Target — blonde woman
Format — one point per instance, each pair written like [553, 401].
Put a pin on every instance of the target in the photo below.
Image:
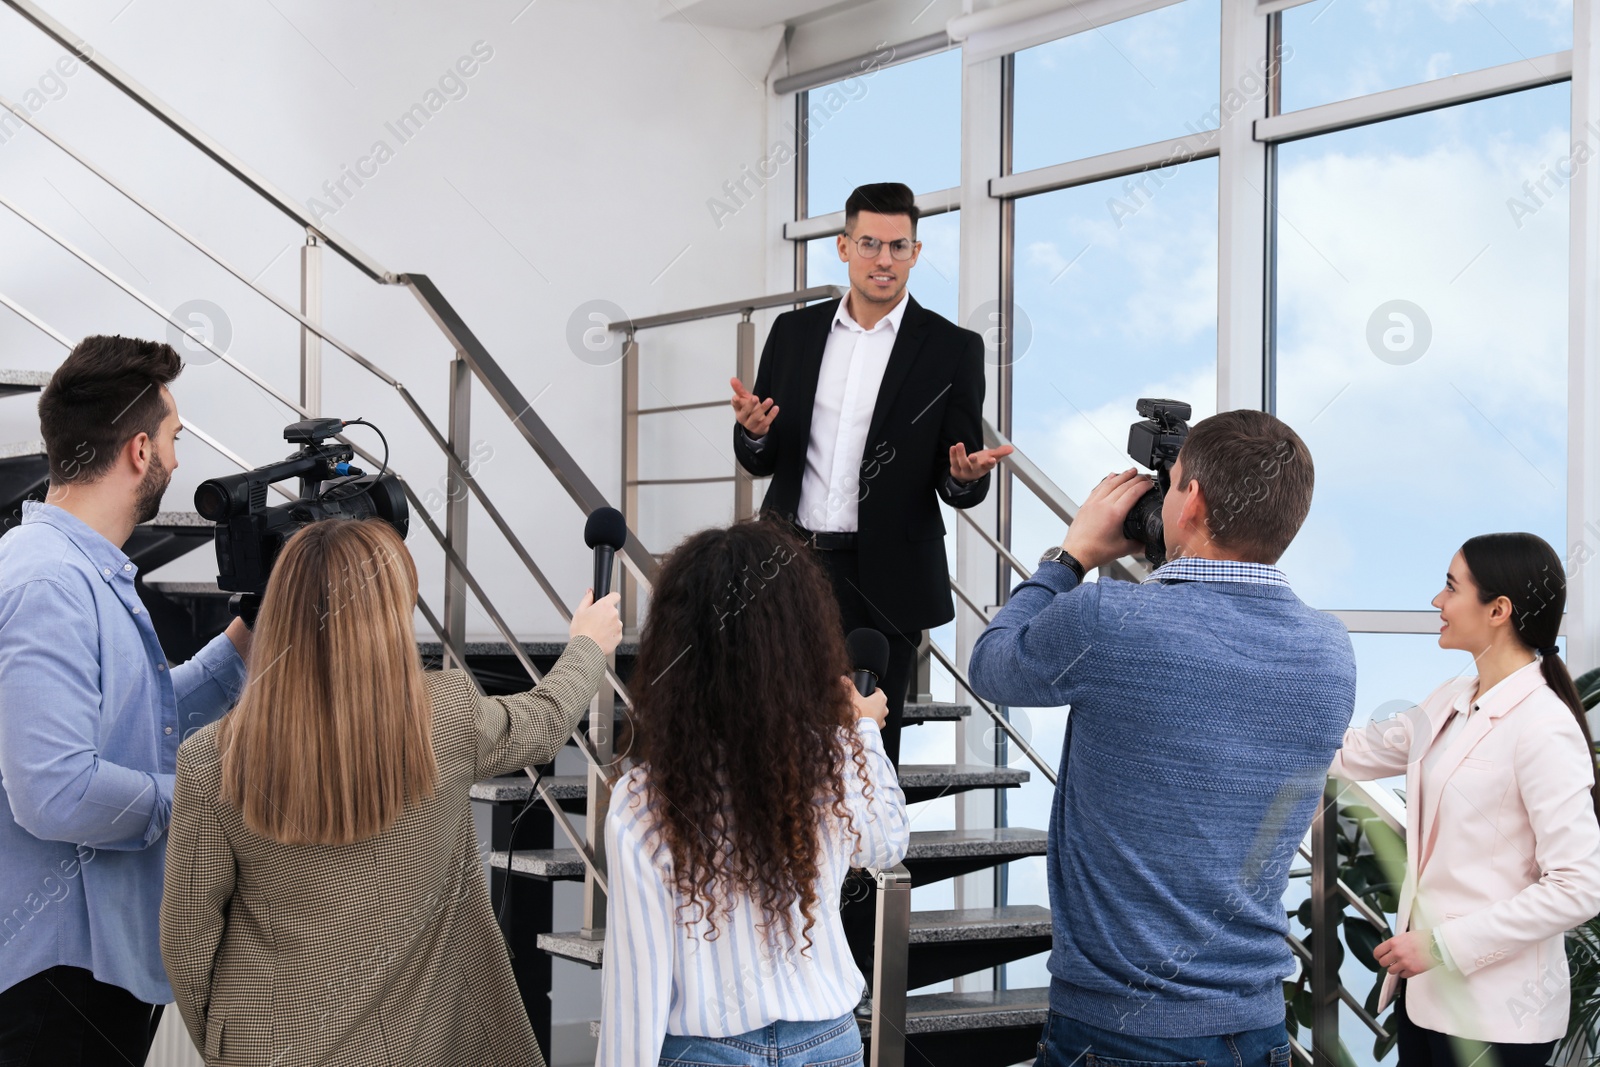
[325, 901]
[1502, 840]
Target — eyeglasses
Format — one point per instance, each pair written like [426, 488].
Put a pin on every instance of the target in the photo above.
[869, 247]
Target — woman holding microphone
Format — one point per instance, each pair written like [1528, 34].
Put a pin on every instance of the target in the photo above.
[1502, 838]
[325, 900]
[760, 781]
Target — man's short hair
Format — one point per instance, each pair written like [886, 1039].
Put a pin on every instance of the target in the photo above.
[1257, 477]
[881, 198]
[106, 393]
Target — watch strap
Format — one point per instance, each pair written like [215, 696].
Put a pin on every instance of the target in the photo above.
[1061, 555]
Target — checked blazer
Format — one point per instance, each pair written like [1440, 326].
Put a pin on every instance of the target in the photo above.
[380, 952]
[930, 398]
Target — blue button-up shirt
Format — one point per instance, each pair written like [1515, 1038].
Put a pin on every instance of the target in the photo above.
[90, 721]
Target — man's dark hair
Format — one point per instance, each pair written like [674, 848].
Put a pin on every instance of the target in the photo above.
[881, 198]
[106, 393]
[1257, 477]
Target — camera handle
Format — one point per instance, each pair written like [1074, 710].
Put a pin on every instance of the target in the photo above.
[245, 606]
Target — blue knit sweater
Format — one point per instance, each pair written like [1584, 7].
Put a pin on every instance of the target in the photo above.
[1204, 715]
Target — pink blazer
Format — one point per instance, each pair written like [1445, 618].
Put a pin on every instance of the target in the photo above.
[1502, 853]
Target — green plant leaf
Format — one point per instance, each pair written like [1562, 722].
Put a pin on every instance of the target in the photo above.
[1371, 1003]
[1382, 1045]
[1362, 939]
[1302, 1005]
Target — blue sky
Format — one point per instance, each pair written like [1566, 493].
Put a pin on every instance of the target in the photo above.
[1119, 284]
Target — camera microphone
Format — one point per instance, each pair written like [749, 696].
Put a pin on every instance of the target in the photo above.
[605, 532]
[869, 654]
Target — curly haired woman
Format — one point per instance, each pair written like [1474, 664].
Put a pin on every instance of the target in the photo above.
[760, 781]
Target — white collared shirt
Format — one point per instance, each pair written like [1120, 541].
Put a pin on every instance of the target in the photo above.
[853, 363]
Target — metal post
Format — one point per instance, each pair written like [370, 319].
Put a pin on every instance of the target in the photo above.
[629, 607]
[1327, 912]
[924, 684]
[602, 725]
[311, 308]
[744, 485]
[455, 513]
[891, 948]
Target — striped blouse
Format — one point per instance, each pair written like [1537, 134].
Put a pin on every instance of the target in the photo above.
[661, 976]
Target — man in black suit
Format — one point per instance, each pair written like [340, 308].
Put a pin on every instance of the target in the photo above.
[885, 398]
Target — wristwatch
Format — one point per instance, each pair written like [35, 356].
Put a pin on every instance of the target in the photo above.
[1061, 555]
[1434, 948]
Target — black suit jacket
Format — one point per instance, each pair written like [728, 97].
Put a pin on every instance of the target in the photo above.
[931, 397]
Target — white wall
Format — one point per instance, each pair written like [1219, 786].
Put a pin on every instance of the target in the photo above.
[576, 166]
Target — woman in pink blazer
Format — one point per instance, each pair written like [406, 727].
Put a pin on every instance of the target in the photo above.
[1502, 839]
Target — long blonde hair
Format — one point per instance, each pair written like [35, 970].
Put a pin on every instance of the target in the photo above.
[333, 735]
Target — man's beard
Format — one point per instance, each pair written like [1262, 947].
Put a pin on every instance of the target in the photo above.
[156, 479]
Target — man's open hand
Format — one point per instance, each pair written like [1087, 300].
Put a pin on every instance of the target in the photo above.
[965, 468]
[753, 413]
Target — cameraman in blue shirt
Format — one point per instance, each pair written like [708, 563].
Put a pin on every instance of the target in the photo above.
[91, 718]
[1206, 705]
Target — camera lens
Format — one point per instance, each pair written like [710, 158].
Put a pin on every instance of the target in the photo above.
[211, 501]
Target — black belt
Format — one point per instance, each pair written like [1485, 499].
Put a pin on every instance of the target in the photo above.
[825, 541]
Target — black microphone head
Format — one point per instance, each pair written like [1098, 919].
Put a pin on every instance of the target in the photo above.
[606, 526]
[869, 650]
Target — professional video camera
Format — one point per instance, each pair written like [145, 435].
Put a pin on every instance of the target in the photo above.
[1154, 442]
[249, 534]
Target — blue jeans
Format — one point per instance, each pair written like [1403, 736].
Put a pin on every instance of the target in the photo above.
[835, 1043]
[1066, 1042]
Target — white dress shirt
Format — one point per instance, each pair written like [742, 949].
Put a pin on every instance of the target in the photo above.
[853, 363]
[661, 973]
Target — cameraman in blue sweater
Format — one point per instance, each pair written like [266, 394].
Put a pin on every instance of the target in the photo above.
[1206, 704]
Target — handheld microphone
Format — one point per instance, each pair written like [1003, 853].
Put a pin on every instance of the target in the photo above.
[605, 532]
[869, 653]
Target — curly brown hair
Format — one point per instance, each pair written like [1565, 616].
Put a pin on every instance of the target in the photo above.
[738, 708]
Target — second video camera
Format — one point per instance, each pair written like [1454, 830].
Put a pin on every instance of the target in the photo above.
[249, 534]
[1153, 443]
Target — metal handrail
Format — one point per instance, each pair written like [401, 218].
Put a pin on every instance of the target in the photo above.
[730, 307]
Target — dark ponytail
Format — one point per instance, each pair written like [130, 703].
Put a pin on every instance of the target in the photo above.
[1525, 570]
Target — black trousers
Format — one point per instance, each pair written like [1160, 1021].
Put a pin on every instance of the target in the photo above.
[1429, 1048]
[63, 1017]
[844, 571]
